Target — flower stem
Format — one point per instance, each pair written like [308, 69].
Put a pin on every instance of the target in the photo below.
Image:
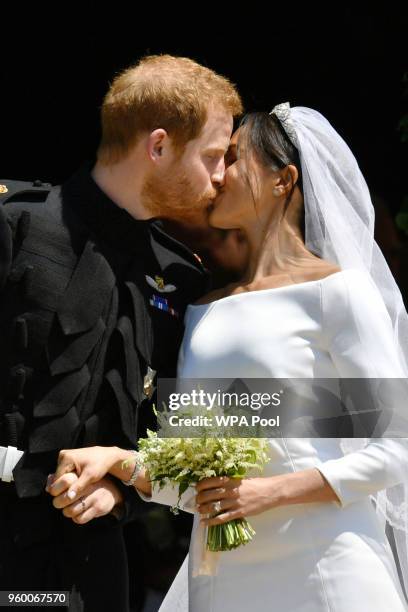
[229, 535]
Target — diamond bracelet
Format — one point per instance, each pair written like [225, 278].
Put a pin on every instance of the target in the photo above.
[139, 465]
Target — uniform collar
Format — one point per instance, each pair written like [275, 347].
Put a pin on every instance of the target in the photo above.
[110, 222]
[104, 217]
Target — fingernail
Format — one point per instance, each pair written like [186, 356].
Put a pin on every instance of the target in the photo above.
[71, 494]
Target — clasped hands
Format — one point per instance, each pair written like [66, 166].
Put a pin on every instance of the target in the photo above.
[83, 491]
[95, 496]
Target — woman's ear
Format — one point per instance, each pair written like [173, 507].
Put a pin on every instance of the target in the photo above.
[285, 181]
[294, 173]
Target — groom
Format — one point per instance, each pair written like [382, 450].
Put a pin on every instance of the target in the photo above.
[92, 296]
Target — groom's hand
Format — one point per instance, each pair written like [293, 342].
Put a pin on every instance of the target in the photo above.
[97, 499]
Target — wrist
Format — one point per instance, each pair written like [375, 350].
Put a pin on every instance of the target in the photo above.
[279, 489]
[122, 463]
[143, 483]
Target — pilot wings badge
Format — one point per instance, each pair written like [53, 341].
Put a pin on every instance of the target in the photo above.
[158, 283]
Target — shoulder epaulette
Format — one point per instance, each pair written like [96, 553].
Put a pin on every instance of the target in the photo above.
[11, 188]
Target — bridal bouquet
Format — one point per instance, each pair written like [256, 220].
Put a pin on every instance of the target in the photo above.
[185, 461]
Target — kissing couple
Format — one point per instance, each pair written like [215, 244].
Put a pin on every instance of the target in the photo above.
[104, 293]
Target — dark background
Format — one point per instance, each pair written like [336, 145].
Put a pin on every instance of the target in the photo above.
[348, 62]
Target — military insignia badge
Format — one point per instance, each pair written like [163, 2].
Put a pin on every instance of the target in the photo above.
[162, 304]
[3, 189]
[158, 283]
[148, 382]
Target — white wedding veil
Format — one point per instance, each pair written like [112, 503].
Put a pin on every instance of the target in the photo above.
[339, 227]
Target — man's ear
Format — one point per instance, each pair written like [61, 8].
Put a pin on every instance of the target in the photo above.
[156, 143]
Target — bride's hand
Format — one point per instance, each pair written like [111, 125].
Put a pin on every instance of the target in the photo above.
[91, 464]
[238, 497]
[251, 496]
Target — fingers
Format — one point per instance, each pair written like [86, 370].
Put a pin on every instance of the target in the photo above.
[229, 515]
[62, 500]
[62, 484]
[209, 491]
[83, 510]
[226, 504]
[83, 481]
[217, 481]
[86, 516]
[98, 502]
[66, 463]
[71, 485]
[210, 495]
[78, 507]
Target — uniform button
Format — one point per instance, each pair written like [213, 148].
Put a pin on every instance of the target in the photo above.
[22, 332]
[27, 278]
[19, 377]
[20, 272]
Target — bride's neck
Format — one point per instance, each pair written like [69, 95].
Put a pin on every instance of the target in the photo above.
[277, 251]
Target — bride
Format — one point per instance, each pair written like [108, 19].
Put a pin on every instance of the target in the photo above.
[317, 301]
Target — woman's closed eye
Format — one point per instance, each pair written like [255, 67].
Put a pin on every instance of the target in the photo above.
[231, 156]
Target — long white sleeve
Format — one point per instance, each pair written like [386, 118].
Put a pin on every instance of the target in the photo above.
[360, 341]
[168, 496]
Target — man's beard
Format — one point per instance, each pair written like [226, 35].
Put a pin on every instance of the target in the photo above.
[173, 196]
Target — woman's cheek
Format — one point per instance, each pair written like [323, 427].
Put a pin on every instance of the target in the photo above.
[220, 214]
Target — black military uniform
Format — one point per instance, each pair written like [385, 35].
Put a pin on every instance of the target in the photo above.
[90, 298]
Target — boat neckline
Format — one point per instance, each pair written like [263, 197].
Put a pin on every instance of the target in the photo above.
[270, 289]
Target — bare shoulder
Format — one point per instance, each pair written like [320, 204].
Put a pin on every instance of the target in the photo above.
[322, 271]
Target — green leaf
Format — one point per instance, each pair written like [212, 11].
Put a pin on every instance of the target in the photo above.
[251, 455]
[183, 487]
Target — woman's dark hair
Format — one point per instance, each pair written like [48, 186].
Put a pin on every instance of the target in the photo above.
[264, 137]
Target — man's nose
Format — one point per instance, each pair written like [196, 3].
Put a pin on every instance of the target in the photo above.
[218, 177]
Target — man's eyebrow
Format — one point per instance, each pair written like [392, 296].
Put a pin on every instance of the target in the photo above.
[216, 149]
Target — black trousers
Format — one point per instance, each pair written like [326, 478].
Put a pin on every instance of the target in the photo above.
[40, 549]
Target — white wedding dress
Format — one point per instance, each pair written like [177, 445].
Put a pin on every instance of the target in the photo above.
[315, 557]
